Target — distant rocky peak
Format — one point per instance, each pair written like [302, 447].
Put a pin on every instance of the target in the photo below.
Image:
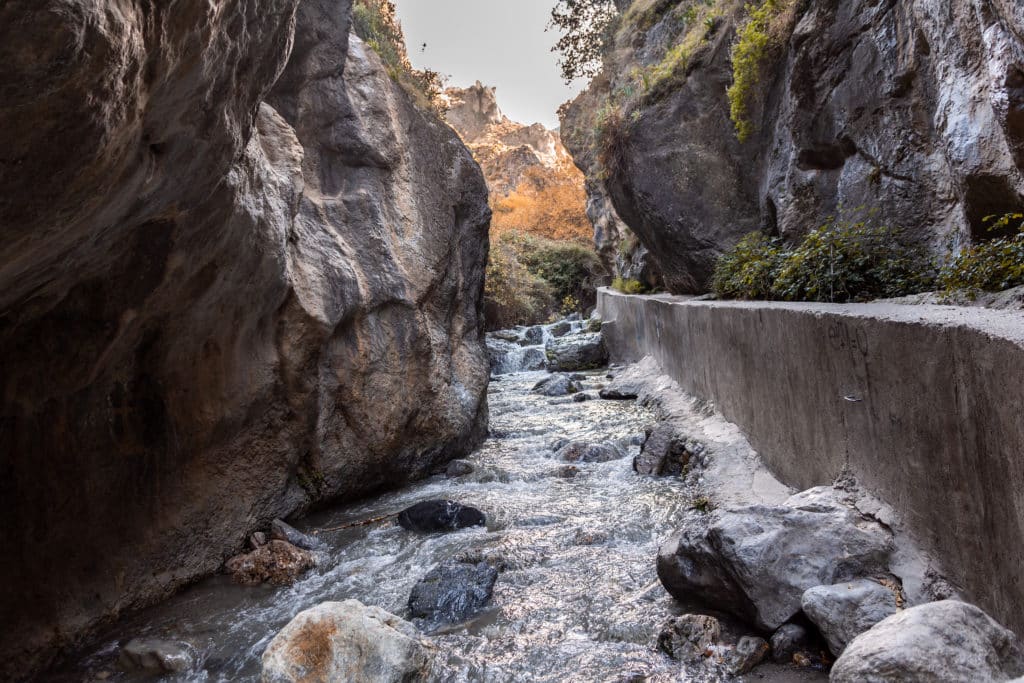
[473, 110]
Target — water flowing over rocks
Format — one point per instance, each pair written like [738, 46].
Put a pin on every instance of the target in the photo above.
[158, 656]
[451, 593]
[241, 275]
[943, 642]
[910, 108]
[346, 641]
[278, 562]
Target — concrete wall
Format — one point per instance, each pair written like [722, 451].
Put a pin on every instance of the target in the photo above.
[924, 404]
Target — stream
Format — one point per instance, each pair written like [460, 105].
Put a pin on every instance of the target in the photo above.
[577, 599]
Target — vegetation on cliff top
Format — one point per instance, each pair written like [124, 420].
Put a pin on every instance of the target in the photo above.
[376, 23]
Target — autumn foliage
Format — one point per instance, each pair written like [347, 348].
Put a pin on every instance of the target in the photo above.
[548, 203]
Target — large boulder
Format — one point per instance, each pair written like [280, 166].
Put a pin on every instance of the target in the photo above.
[939, 642]
[845, 610]
[240, 275]
[577, 352]
[758, 561]
[346, 641]
[557, 385]
[452, 592]
[432, 516]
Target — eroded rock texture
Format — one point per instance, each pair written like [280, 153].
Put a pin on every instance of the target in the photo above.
[236, 279]
[913, 109]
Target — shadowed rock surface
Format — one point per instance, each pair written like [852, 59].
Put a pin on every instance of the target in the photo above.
[915, 109]
[237, 279]
[432, 516]
[845, 610]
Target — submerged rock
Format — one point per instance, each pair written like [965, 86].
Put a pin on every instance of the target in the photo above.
[582, 451]
[440, 515]
[452, 593]
[346, 641]
[940, 642]
[560, 329]
[277, 562]
[157, 656]
[845, 610]
[757, 561]
[557, 385]
[281, 531]
[577, 352]
[689, 637]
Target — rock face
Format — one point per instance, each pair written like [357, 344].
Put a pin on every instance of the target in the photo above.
[506, 150]
[237, 277]
[346, 641]
[944, 642]
[757, 561]
[844, 611]
[915, 109]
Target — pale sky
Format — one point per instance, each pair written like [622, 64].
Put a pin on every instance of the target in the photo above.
[501, 43]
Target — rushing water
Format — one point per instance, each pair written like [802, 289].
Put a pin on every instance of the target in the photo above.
[577, 600]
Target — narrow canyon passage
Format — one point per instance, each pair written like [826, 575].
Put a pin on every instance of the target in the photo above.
[577, 596]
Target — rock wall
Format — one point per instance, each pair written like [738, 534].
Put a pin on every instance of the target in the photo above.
[912, 109]
[237, 279]
[921, 404]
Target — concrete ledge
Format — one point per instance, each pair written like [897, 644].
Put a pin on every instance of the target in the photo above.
[924, 405]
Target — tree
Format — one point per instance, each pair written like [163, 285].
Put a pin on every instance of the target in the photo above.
[586, 27]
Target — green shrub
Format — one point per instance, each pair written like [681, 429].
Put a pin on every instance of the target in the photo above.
[512, 294]
[766, 30]
[628, 286]
[748, 270]
[991, 266]
[845, 261]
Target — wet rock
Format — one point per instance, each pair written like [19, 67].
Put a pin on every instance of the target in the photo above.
[581, 451]
[560, 329]
[452, 593]
[567, 471]
[346, 641]
[505, 335]
[559, 443]
[940, 642]
[845, 610]
[534, 336]
[458, 468]
[577, 352]
[440, 515]
[664, 453]
[594, 324]
[582, 398]
[689, 637]
[278, 562]
[533, 359]
[757, 561]
[157, 656]
[788, 640]
[281, 531]
[747, 654]
[557, 385]
[620, 392]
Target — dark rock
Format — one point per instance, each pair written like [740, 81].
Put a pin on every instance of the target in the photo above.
[577, 352]
[215, 215]
[157, 656]
[747, 654]
[689, 637]
[581, 451]
[582, 398]
[567, 471]
[620, 392]
[844, 611]
[281, 531]
[505, 335]
[452, 593]
[278, 562]
[664, 453]
[757, 561]
[458, 468]
[788, 640]
[560, 329]
[534, 336]
[440, 515]
[557, 385]
[560, 443]
[940, 642]
[594, 325]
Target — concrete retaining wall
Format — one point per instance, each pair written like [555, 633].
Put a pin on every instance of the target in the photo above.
[923, 404]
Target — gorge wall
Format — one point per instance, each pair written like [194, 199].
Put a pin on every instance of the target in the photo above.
[920, 404]
[240, 275]
[914, 110]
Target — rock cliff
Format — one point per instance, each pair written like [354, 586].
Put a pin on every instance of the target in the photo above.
[912, 109]
[240, 275]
